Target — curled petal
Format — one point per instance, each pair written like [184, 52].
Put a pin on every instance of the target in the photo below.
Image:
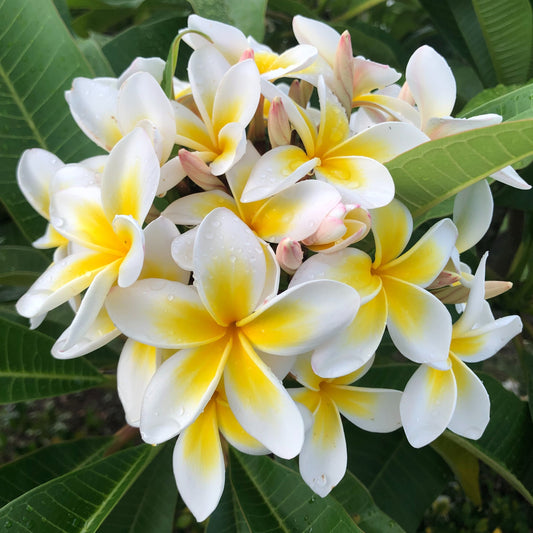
[198, 464]
[427, 404]
[231, 147]
[182, 249]
[180, 389]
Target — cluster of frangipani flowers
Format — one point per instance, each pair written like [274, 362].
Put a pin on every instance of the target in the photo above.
[267, 191]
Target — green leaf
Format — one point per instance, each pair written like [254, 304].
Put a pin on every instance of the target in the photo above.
[38, 62]
[92, 52]
[508, 31]
[139, 511]
[150, 39]
[268, 496]
[506, 444]
[353, 8]
[248, 16]
[80, 500]
[358, 502]
[512, 103]
[21, 265]
[28, 370]
[434, 171]
[464, 465]
[45, 464]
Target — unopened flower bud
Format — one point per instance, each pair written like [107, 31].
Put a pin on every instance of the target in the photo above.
[331, 228]
[198, 171]
[289, 255]
[279, 128]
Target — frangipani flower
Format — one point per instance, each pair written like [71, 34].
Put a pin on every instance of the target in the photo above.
[299, 212]
[454, 398]
[392, 293]
[351, 163]
[218, 135]
[218, 325]
[198, 460]
[103, 226]
[323, 457]
[234, 46]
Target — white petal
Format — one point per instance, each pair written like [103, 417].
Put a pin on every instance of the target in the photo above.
[509, 176]
[132, 263]
[472, 214]
[427, 404]
[153, 65]
[438, 127]
[318, 34]
[182, 249]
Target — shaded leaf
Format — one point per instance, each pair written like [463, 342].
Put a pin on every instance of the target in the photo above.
[92, 52]
[434, 171]
[268, 496]
[148, 506]
[21, 265]
[508, 32]
[38, 62]
[28, 370]
[45, 464]
[463, 464]
[248, 16]
[79, 500]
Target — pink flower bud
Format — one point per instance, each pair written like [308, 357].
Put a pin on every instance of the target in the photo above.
[279, 128]
[247, 54]
[332, 226]
[289, 255]
[198, 171]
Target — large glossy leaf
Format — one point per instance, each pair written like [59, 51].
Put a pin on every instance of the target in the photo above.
[45, 464]
[248, 16]
[149, 504]
[21, 265]
[79, 500]
[28, 371]
[512, 103]
[434, 171]
[506, 444]
[263, 495]
[39, 59]
[508, 31]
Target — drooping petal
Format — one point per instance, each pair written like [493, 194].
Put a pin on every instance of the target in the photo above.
[158, 262]
[61, 281]
[370, 75]
[229, 266]
[278, 169]
[323, 457]
[427, 404]
[431, 83]
[198, 464]
[171, 315]
[131, 177]
[438, 127]
[472, 411]
[181, 388]
[302, 317]
[376, 410]
[509, 176]
[136, 366]
[35, 171]
[360, 180]
[295, 212]
[260, 402]
[392, 226]
[233, 432]
[192, 209]
[420, 325]
[472, 214]
[353, 347]
[422, 263]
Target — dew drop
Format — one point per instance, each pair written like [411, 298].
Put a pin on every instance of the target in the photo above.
[181, 411]
[170, 297]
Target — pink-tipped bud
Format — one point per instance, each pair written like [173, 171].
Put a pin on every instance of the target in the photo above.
[444, 279]
[331, 228]
[198, 171]
[247, 54]
[289, 255]
[279, 127]
[300, 91]
[344, 71]
[495, 288]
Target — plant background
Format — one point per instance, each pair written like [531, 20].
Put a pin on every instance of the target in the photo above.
[85, 471]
